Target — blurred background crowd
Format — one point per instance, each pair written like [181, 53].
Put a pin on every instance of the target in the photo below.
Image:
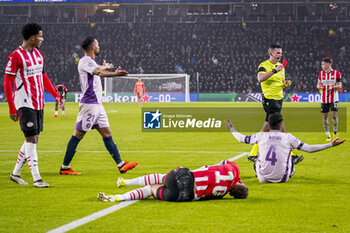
[223, 50]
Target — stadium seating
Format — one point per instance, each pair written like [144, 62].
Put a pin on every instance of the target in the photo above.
[225, 54]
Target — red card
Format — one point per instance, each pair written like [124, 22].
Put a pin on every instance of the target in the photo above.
[284, 63]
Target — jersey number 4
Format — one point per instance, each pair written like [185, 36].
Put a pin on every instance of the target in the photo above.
[271, 155]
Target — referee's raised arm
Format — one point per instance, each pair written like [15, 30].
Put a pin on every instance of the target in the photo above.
[263, 76]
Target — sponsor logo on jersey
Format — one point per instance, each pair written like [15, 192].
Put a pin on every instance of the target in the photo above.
[34, 70]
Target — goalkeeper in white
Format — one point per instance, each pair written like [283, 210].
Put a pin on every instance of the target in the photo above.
[274, 163]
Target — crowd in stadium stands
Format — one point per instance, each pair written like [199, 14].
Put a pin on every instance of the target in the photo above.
[225, 55]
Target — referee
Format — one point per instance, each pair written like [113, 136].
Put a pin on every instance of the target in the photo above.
[271, 76]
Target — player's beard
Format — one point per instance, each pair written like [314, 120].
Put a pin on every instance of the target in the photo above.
[97, 53]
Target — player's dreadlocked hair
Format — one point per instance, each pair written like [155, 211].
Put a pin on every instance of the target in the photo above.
[87, 42]
[274, 120]
[30, 29]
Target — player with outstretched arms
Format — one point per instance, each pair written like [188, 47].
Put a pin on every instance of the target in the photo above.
[181, 184]
[274, 163]
[92, 114]
[25, 66]
[62, 92]
[139, 89]
[329, 83]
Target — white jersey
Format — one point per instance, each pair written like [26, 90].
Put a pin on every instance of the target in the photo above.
[90, 84]
[274, 162]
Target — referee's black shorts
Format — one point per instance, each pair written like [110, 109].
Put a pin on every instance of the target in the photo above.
[31, 121]
[271, 106]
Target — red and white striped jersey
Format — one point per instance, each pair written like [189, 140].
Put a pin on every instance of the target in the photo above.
[27, 67]
[213, 182]
[328, 80]
[61, 91]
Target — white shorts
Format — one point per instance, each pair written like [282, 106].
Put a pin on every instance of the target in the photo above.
[91, 116]
[273, 178]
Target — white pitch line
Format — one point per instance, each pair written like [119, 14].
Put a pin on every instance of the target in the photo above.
[238, 156]
[104, 212]
[135, 151]
[91, 217]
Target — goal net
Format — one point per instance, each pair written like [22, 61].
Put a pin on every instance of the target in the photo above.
[159, 88]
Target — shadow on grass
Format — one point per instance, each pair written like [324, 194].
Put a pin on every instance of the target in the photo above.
[222, 200]
[312, 180]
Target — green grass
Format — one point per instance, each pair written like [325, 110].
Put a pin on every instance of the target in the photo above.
[314, 200]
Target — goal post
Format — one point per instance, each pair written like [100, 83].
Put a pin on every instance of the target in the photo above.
[159, 88]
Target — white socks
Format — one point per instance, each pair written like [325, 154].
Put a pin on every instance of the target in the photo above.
[146, 180]
[326, 127]
[32, 159]
[136, 194]
[65, 166]
[21, 160]
[335, 124]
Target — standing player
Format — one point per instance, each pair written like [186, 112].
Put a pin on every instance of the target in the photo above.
[274, 163]
[62, 92]
[181, 184]
[25, 66]
[139, 89]
[271, 76]
[92, 114]
[329, 82]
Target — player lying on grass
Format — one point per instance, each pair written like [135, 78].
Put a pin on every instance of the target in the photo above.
[274, 163]
[181, 184]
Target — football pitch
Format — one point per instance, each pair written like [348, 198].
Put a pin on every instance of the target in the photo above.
[316, 199]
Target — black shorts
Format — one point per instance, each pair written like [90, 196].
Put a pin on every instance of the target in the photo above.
[333, 106]
[271, 106]
[31, 121]
[170, 191]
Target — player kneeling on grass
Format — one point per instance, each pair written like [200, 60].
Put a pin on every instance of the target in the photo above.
[274, 163]
[181, 184]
